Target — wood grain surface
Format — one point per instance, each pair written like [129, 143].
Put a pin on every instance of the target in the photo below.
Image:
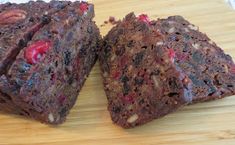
[211, 123]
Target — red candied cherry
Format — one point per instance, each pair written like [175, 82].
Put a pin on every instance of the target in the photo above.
[129, 98]
[116, 75]
[232, 69]
[144, 18]
[34, 52]
[83, 7]
[171, 54]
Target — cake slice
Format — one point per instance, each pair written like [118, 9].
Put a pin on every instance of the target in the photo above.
[47, 75]
[18, 22]
[140, 79]
[209, 69]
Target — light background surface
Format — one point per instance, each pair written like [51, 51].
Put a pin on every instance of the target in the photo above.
[89, 123]
[24, 1]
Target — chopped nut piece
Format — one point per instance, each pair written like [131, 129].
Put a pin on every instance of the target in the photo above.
[51, 117]
[171, 30]
[130, 107]
[193, 27]
[186, 29]
[155, 80]
[226, 68]
[133, 118]
[159, 43]
[196, 45]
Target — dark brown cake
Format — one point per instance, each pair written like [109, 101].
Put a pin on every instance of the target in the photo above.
[47, 75]
[140, 79]
[211, 71]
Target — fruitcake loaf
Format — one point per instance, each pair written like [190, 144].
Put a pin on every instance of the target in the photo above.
[18, 22]
[209, 69]
[140, 79]
[44, 80]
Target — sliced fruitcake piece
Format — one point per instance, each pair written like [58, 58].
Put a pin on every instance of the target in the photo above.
[211, 71]
[44, 81]
[140, 79]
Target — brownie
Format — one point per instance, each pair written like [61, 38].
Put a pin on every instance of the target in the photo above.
[45, 79]
[18, 22]
[209, 69]
[140, 79]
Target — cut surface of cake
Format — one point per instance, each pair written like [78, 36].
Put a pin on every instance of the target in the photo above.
[209, 69]
[140, 79]
[45, 78]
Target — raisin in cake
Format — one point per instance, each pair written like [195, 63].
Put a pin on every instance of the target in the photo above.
[140, 79]
[211, 71]
[45, 78]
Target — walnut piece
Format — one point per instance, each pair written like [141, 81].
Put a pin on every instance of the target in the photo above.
[12, 16]
[133, 118]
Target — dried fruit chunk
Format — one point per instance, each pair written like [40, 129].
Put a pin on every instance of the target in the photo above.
[129, 98]
[35, 51]
[232, 69]
[144, 18]
[12, 16]
[84, 7]
[171, 54]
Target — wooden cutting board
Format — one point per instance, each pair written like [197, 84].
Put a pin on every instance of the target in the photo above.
[211, 123]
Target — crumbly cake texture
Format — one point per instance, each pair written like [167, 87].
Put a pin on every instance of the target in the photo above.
[49, 70]
[209, 69]
[131, 54]
[140, 79]
[18, 24]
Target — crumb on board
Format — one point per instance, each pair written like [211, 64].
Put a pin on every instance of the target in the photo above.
[112, 20]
